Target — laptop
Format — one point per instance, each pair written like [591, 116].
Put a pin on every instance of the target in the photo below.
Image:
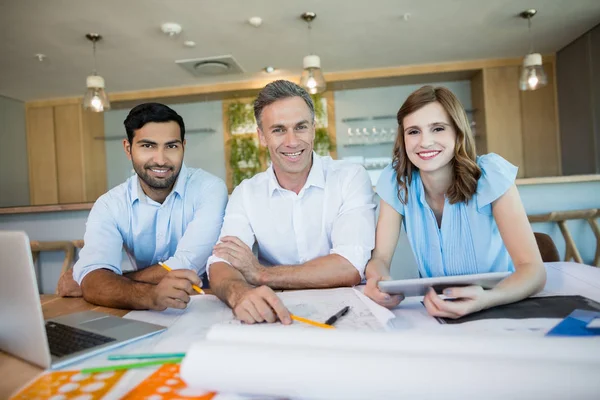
[55, 342]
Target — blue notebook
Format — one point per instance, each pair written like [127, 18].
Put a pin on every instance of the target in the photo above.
[578, 323]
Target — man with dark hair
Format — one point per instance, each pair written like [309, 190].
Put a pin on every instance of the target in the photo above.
[166, 212]
[312, 218]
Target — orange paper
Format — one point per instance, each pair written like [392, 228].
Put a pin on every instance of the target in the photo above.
[70, 385]
[165, 384]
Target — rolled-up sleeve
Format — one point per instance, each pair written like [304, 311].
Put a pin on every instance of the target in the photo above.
[103, 243]
[201, 234]
[235, 223]
[353, 231]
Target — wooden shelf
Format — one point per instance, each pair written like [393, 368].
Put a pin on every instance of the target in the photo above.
[47, 208]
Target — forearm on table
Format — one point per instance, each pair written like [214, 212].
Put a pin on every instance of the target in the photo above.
[106, 288]
[227, 283]
[152, 274]
[526, 281]
[323, 272]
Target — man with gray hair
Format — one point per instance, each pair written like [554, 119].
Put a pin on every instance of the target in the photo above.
[312, 218]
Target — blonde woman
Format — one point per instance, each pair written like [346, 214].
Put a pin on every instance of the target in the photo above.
[462, 213]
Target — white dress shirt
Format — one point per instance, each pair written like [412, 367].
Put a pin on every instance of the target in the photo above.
[334, 213]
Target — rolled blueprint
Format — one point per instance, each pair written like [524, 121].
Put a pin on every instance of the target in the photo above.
[415, 342]
[312, 364]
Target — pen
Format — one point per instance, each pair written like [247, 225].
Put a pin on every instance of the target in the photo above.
[196, 288]
[338, 315]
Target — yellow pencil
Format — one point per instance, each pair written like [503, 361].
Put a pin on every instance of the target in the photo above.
[311, 322]
[196, 288]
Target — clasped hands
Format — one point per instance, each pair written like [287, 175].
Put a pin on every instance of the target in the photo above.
[257, 304]
[240, 256]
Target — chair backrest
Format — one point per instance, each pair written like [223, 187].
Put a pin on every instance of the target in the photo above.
[547, 247]
[63, 245]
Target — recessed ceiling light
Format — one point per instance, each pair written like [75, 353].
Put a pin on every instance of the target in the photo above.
[255, 21]
[189, 43]
[269, 69]
[40, 57]
[171, 28]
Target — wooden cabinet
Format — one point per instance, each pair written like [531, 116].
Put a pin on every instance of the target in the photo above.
[578, 76]
[520, 126]
[67, 161]
[41, 156]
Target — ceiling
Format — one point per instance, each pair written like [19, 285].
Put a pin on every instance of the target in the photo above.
[348, 35]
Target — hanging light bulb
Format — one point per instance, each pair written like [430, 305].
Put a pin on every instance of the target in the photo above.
[532, 73]
[95, 98]
[312, 78]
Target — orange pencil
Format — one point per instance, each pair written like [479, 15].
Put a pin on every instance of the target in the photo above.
[311, 322]
[196, 288]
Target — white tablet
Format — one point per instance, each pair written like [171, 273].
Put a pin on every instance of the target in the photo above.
[418, 287]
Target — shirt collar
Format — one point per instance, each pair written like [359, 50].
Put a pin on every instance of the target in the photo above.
[316, 177]
[137, 193]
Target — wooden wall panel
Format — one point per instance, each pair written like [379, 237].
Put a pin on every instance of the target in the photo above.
[478, 103]
[41, 156]
[575, 111]
[69, 153]
[94, 155]
[503, 114]
[595, 72]
[540, 129]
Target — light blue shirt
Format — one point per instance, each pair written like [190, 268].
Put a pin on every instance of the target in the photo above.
[468, 241]
[181, 231]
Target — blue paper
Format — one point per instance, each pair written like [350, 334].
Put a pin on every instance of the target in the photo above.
[576, 324]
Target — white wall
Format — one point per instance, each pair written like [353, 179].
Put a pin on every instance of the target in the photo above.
[203, 150]
[14, 176]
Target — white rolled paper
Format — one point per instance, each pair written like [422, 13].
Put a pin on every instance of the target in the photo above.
[313, 364]
[415, 342]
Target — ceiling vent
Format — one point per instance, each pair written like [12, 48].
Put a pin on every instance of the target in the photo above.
[211, 66]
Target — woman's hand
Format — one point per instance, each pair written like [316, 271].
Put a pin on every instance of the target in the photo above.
[379, 297]
[463, 301]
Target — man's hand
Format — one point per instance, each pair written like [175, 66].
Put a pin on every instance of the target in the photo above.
[259, 305]
[465, 300]
[240, 256]
[174, 289]
[384, 299]
[67, 287]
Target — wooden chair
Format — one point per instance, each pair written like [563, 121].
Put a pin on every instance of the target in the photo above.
[67, 247]
[547, 247]
[561, 218]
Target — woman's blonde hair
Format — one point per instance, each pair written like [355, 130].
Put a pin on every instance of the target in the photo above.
[465, 171]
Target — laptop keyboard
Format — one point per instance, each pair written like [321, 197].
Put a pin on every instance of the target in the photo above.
[65, 340]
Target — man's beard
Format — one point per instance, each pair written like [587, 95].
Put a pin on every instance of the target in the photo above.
[155, 183]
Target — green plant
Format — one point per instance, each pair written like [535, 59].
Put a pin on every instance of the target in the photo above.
[323, 143]
[240, 116]
[320, 112]
[244, 158]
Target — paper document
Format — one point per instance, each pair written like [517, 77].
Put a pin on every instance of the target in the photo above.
[320, 304]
